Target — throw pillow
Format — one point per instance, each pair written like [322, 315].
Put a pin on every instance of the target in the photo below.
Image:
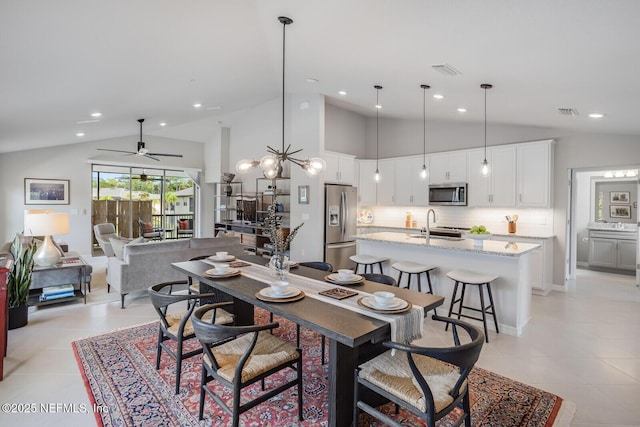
[183, 224]
[147, 227]
[118, 247]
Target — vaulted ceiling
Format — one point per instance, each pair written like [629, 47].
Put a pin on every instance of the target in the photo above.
[63, 60]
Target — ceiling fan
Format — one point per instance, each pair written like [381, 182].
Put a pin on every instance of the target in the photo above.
[142, 150]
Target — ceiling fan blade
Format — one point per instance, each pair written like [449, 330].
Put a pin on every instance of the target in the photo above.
[117, 151]
[165, 154]
[148, 155]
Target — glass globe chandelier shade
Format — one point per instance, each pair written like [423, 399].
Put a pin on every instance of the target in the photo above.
[272, 163]
[485, 170]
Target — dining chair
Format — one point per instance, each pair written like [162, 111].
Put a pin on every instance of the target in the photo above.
[318, 265]
[238, 356]
[429, 382]
[178, 326]
[380, 278]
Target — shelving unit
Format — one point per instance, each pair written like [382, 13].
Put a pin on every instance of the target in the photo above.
[226, 206]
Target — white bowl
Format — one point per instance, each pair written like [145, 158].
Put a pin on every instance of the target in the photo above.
[280, 287]
[345, 274]
[222, 254]
[383, 298]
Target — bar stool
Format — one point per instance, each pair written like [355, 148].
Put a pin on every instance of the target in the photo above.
[412, 268]
[367, 261]
[472, 278]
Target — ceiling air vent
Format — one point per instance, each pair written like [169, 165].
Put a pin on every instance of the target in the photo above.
[568, 111]
[446, 69]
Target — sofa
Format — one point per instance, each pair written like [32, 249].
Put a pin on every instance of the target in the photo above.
[144, 264]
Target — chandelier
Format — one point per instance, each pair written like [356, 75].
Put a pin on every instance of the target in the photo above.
[272, 163]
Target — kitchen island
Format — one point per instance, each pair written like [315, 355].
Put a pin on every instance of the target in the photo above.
[511, 261]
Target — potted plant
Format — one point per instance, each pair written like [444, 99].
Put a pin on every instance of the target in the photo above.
[19, 282]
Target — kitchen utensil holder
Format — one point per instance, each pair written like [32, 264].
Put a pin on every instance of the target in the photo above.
[512, 227]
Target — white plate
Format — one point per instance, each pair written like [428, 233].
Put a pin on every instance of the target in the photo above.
[225, 258]
[289, 293]
[353, 279]
[396, 304]
[213, 272]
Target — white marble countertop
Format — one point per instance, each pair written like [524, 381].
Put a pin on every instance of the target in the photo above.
[613, 226]
[493, 246]
[524, 234]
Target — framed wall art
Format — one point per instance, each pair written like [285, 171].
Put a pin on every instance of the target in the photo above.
[46, 191]
[619, 197]
[620, 211]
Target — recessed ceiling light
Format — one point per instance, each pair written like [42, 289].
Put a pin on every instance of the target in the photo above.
[197, 105]
[312, 80]
[96, 114]
[342, 92]
[596, 115]
[80, 134]
[438, 96]
[163, 124]
[378, 106]
[462, 110]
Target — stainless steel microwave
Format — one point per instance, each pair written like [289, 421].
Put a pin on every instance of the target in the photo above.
[450, 194]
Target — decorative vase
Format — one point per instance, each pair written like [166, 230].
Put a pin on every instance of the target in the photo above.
[280, 266]
[18, 316]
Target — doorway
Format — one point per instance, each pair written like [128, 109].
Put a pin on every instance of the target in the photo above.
[123, 195]
[602, 218]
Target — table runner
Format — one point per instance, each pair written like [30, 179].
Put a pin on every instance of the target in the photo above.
[405, 327]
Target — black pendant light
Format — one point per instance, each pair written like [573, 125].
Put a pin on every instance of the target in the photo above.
[376, 176]
[272, 163]
[423, 170]
[484, 169]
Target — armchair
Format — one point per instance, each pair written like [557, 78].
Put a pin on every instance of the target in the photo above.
[184, 227]
[148, 231]
[103, 233]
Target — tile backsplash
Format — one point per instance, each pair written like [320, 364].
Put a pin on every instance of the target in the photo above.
[531, 221]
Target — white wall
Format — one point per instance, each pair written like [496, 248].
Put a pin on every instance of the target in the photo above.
[345, 131]
[583, 214]
[70, 162]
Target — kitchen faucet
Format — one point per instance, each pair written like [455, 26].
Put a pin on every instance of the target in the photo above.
[427, 235]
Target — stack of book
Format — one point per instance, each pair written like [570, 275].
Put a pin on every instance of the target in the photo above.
[56, 292]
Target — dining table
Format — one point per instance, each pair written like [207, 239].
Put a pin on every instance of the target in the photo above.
[354, 337]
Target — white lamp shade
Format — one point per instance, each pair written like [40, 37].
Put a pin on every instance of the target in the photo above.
[45, 223]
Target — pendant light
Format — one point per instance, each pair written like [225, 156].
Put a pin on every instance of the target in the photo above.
[423, 171]
[376, 176]
[272, 163]
[485, 170]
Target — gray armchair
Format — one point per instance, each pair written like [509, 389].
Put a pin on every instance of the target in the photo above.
[103, 233]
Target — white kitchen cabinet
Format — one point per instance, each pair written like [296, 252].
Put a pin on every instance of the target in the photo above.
[541, 272]
[448, 167]
[386, 187]
[534, 179]
[499, 188]
[340, 168]
[410, 189]
[366, 185]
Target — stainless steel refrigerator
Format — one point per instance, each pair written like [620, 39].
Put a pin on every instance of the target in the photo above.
[339, 225]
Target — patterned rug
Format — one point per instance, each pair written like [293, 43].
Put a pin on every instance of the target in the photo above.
[119, 372]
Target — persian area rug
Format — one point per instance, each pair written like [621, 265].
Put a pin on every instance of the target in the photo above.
[119, 372]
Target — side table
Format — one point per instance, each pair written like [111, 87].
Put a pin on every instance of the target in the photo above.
[70, 270]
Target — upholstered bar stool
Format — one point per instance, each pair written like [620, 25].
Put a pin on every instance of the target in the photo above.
[414, 268]
[367, 261]
[465, 278]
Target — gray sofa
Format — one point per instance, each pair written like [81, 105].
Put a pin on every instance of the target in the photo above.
[146, 264]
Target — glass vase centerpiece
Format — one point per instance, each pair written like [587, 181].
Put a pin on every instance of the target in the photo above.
[280, 240]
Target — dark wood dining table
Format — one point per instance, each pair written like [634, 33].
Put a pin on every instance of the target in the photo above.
[353, 337]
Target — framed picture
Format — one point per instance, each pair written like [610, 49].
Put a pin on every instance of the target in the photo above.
[619, 197]
[46, 191]
[303, 194]
[620, 211]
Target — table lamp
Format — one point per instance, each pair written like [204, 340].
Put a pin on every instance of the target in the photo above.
[46, 223]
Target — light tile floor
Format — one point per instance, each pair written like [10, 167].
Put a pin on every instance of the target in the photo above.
[583, 345]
